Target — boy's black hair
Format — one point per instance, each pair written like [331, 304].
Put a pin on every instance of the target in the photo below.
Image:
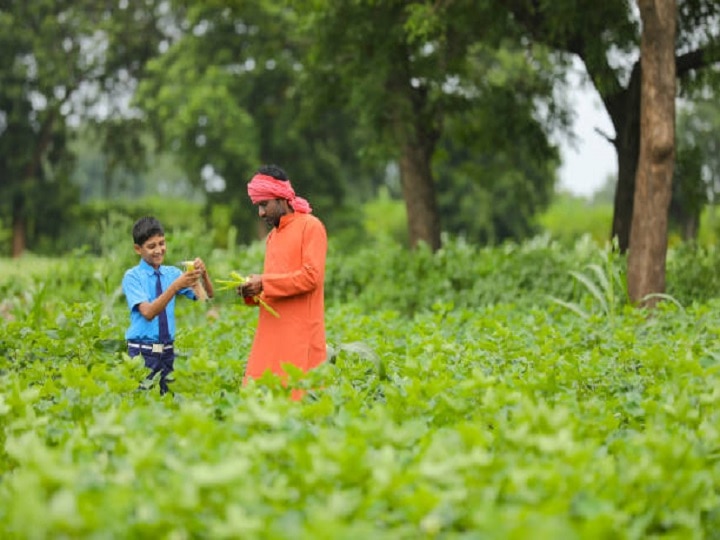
[274, 171]
[146, 227]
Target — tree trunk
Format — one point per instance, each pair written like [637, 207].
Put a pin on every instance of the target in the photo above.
[31, 170]
[19, 223]
[418, 189]
[690, 227]
[624, 111]
[653, 183]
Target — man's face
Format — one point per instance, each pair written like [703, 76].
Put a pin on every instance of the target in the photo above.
[153, 250]
[272, 210]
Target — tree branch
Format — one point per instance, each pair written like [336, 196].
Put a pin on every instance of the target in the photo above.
[43, 140]
[697, 59]
[609, 138]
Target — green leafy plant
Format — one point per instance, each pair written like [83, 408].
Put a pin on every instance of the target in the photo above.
[605, 285]
[235, 281]
[478, 412]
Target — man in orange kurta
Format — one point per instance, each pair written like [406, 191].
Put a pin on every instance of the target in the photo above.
[292, 282]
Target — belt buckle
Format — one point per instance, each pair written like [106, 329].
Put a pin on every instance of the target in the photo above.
[157, 347]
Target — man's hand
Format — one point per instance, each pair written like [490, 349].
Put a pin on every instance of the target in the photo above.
[253, 287]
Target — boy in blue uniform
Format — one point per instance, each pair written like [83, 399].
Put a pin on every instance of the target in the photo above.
[150, 289]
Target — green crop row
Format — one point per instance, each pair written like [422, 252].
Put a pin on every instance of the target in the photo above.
[471, 393]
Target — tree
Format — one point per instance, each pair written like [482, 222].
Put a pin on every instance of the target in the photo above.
[405, 69]
[689, 191]
[30, 121]
[605, 36]
[225, 97]
[143, 172]
[495, 167]
[697, 165]
[60, 57]
[648, 239]
[361, 52]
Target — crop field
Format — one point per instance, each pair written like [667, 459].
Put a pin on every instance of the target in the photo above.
[506, 392]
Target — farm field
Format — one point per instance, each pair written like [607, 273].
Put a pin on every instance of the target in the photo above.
[473, 393]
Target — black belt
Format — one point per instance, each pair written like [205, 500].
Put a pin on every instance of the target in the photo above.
[153, 347]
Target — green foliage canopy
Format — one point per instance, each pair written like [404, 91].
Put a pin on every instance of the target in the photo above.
[59, 59]
[225, 95]
[444, 79]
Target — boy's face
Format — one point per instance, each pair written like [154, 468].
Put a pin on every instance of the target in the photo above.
[153, 250]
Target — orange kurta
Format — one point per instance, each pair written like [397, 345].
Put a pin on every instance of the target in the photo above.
[293, 284]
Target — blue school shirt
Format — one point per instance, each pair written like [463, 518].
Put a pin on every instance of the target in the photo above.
[138, 284]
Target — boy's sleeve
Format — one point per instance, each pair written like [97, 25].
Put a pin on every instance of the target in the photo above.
[175, 273]
[135, 293]
[188, 292]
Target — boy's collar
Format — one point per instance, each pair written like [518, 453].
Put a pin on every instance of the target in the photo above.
[148, 267]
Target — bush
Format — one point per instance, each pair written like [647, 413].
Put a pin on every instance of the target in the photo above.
[460, 274]
[692, 273]
[570, 218]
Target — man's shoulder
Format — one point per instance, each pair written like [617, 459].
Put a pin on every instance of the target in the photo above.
[299, 224]
[310, 219]
[314, 230]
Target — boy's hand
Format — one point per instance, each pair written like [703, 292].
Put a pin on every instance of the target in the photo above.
[188, 279]
[200, 265]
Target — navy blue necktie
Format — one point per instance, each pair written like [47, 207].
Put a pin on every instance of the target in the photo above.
[162, 317]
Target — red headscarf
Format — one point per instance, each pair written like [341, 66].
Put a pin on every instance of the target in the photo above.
[264, 188]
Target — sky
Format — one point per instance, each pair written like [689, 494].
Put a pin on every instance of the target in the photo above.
[588, 161]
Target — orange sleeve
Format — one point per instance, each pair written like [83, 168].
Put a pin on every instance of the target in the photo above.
[310, 268]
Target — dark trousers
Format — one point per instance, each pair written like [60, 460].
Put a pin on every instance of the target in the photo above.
[161, 363]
